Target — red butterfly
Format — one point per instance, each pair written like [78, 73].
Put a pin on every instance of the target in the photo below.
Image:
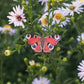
[43, 44]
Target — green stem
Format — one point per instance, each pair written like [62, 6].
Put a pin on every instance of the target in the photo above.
[44, 58]
[1, 70]
[36, 74]
[78, 30]
[30, 12]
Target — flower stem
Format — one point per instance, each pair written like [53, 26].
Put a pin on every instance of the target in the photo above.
[1, 70]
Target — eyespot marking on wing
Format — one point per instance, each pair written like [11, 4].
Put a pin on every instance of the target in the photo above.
[50, 46]
[28, 36]
[33, 46]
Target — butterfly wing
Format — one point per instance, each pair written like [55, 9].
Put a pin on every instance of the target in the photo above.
[49, 43]
[35, 42]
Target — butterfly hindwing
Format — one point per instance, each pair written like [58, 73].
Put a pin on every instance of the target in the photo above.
[34, 41]
[49, 43]
[47, 47]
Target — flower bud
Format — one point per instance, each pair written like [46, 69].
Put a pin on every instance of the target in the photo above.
[23, 2]
[8, 82]
[32, 63]
[25, 40]
[38, 65]
[64, 59]
[77, 80]
[50, 75]
[63, 18]
[82, 42]
[19, 79]
[72, 18]
[26, 60]
[44, 68]
[7, 52]
[54, 2]
[71, 39]
[19, 74]
[71, 7]
[48, 3]
[8, 48]
[69, 52]
[58, 48]
[40, 26]
[60, 0]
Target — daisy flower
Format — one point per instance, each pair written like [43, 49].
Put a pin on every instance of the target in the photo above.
[60, 17]
[42, 80]
[46, 7]
[81, 69]
[75, 7]
[17, 16]
[81, 37]
[79, 0]
[7, 29]
[43, 20]
[32, 62]
[43, 1]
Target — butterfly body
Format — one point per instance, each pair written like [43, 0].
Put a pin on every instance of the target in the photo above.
[42, 44]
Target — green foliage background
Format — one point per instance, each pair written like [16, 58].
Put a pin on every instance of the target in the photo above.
[61, 63]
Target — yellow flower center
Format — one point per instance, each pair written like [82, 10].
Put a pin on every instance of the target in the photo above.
[41, 83]
[58, 16]
[7, 26]
[6, 53]
[44, 21]
[81, 0]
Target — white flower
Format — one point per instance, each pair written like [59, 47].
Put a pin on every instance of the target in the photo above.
[43, 20]
[64, 23]
[80, 0]
[17, 16]
[43, 1]
[81, 69]
[81, 37]
[75, 7]
[7, 29]
[27, 2]
[14, 0]
[32, 62]
[42, 80]
[60, 17]
[44, 29]
[46, 7]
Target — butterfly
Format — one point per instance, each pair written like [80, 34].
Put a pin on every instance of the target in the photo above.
[42, 44]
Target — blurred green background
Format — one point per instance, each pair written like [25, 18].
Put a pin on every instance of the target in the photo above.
[64, 61]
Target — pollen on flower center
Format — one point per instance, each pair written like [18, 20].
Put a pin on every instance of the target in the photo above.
[6, 53]
[58, 16]
[41, 83]
[18, 17]
[81, 0]
[7, 26]
[44, 21]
